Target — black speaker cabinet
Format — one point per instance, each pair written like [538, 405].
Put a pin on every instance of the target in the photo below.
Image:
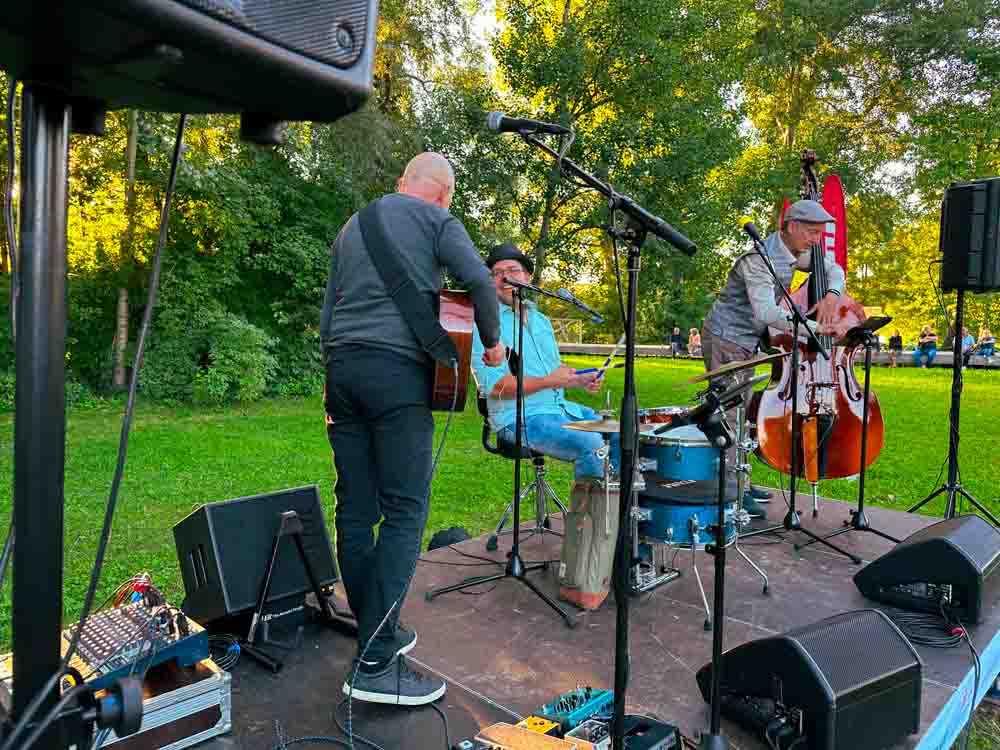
[282, 59]
[970, 236]
[223, 549]
[954, 561]
[854, 676]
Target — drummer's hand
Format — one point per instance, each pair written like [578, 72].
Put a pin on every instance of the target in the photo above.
[562, 377]
[594, 385]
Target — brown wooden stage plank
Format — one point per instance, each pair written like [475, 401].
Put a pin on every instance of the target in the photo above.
[506, 645]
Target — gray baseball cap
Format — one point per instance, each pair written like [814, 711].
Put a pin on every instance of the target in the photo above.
[808, 211]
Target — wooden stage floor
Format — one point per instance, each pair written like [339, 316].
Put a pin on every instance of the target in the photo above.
[505, 653]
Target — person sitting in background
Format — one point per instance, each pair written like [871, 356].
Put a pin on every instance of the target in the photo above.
[986, 345]
[968, 346]
[694, 343]
[895, 347]
[926, 347]
[676, 342]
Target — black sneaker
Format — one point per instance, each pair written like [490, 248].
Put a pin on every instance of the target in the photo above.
[760, 494]
[397, 685]
[752, 507]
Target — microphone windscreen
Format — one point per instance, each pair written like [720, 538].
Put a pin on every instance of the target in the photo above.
[493, 120]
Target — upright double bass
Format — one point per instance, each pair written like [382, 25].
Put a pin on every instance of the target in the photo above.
[830, 399]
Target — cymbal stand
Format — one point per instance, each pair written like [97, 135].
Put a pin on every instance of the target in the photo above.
[859, 521]
[720, 435]
[744, 446]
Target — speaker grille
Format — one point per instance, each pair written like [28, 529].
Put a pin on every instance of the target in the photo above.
[971, 534]
[331, 31]
[833, 644]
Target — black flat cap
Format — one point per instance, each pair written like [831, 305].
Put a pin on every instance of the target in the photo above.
[509, 251]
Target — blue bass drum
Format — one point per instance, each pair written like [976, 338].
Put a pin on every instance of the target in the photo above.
[680, 513]
[681, 453]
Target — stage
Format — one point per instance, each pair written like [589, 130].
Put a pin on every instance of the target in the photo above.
[504, 653]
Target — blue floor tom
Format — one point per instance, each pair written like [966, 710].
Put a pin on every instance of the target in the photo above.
[681, 453]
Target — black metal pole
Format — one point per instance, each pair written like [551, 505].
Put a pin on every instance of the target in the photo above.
[953, 487]
[40, 406]
[627, 471]
[515, 565]
[714, 739]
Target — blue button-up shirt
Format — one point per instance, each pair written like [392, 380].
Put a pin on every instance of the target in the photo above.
[541, 356]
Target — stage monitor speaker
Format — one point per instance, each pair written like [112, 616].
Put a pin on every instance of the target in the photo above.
[970, 236]
[223, 549]
[283, 60]
[854, 676]
[954, 563]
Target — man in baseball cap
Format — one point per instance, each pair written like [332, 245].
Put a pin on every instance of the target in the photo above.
[748, 305]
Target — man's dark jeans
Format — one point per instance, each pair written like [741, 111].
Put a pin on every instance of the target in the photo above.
[381, 430]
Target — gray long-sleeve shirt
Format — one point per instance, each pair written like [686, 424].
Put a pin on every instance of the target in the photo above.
[358, 310]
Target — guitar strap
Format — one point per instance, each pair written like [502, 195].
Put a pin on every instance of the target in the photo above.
[418, 314]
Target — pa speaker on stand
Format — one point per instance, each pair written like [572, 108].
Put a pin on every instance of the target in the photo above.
[970, 260]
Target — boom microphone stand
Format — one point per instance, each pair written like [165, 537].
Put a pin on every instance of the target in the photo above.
[516, 568]
[859, 520]
[792, 520]
[953, 486]
[641, 222]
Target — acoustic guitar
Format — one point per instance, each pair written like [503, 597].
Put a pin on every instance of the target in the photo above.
[456, 316]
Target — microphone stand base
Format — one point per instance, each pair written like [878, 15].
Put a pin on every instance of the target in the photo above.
[712, 742]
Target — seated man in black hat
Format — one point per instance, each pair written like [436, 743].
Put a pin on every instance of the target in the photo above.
[546, 408]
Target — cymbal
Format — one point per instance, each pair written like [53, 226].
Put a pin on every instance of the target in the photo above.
[603, 426]
[735, 366]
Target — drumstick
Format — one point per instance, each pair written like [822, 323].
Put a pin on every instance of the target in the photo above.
[603, 368]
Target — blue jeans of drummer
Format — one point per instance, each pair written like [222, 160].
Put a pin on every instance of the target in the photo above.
[545, 433]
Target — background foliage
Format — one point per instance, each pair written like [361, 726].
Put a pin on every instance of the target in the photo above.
[697, 108]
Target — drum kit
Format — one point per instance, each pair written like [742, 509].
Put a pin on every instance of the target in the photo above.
[675, 498]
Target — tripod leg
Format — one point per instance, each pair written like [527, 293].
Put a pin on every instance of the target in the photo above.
[466, 584]
[980, 508]
[567, 617]
[555, 498]
[838, 532]
[701, 589]
[922, 503]
[854, 558]
[753, 565]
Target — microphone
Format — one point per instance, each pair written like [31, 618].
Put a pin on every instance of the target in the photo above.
[567, 295]
[748, 226]
[500, 123]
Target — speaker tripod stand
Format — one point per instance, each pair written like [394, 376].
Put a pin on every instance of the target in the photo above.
[953, 487]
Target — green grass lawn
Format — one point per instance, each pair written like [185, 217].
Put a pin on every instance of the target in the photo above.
[182, 457]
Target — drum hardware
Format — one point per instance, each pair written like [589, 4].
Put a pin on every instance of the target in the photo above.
[737, 366]
[744, 446]
[601, 426]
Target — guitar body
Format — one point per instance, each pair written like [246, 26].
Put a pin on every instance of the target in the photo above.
[457, 318]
